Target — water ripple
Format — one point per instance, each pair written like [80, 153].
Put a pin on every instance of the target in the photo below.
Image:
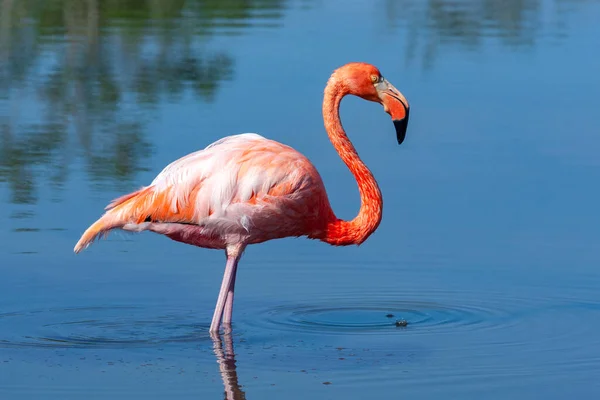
[369, 314]
[100, 327]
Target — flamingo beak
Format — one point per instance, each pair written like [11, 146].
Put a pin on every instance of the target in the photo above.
[395, 104]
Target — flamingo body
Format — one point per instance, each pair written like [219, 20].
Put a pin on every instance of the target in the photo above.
[246, 189]
[240, 189]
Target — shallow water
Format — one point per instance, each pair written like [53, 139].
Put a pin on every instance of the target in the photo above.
[488, 248]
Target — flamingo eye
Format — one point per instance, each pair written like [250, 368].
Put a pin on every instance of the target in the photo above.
[374, 78]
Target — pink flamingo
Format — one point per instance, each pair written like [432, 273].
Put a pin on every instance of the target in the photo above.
[245, 189]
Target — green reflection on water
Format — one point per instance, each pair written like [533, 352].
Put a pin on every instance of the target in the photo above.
[432, 25]
[95, 68]
[79, 78]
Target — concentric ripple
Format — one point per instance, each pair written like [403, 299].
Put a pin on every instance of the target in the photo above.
[353, 315]
[87, 327]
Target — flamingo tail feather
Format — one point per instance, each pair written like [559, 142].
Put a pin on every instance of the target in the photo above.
[112, 219]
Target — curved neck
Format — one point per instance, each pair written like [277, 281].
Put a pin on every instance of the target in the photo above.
[339, 232]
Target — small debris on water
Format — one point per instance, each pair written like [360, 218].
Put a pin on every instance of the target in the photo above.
[327, 383]
[389, 315]
[401, 322]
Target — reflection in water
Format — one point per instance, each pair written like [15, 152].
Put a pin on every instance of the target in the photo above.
[78, 80]
[226, 360]
[434, 24]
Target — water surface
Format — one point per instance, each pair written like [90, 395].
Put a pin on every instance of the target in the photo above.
[488, 248]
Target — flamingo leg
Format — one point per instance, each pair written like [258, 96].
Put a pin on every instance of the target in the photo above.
[228, 312]
[226, 286]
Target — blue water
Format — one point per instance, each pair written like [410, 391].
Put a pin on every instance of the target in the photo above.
[488, 247]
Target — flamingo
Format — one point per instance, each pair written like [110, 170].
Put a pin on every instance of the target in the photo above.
[246, 189]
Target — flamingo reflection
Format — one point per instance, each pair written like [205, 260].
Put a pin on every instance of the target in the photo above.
[227, 367]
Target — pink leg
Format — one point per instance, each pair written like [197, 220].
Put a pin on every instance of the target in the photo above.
[228, 276]
[228, 312]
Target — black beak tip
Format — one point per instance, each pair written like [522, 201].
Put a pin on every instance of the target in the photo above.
[401, 125]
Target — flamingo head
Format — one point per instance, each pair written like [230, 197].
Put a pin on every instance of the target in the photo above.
[366, 81]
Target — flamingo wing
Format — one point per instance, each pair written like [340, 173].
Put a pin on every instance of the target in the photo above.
[239, 186]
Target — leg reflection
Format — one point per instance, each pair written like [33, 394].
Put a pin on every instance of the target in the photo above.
[226, 361]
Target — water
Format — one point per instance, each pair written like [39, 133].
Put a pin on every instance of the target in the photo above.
[488, 247]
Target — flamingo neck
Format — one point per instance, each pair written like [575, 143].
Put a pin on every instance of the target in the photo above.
[339, 232]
